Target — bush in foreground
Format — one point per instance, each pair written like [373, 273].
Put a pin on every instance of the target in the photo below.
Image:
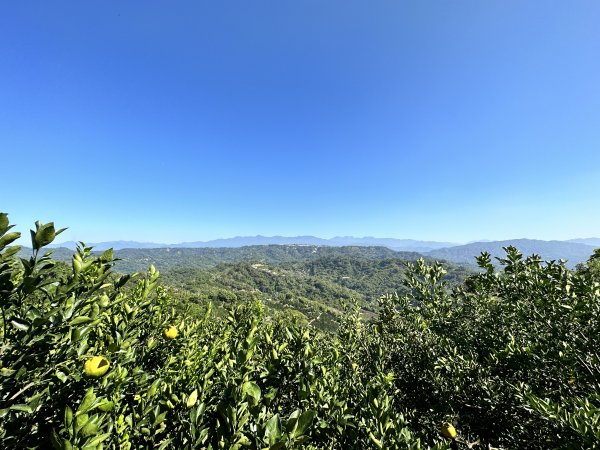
[91, 359]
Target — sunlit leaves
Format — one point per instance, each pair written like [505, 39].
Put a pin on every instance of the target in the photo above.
[510, 359]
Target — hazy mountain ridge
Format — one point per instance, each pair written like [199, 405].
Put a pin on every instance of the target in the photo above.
[135, 255]
[244, 241]
[573, 252]
[595, 242]
[139, 259]
[115, 245]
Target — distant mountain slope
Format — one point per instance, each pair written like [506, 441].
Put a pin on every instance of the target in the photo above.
[595, 242]
[138, 259]
[574, 253]
[396, 244]
[316, 288]
[115, 245]
[244, 241]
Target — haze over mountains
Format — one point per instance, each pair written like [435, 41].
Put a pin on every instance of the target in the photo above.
[243, 241]
[574, 250]
[588, 241]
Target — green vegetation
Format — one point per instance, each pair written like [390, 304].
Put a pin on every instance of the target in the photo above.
[138, 259]
[313, 290]
[91, 359]
[306, 283]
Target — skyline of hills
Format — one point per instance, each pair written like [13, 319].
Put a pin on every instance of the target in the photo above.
[413, 245]
[587, 241]
[244, 241]
[281, 248]
[573, 252]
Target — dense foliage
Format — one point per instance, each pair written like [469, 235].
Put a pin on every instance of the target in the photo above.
[91, 360]
[138, 259]
[312, 290]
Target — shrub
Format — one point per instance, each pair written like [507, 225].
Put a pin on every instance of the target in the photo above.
[91, 359]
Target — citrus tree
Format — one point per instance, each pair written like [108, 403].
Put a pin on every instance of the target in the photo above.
[92, 359]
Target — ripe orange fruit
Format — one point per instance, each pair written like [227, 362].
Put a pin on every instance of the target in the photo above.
[170, 333]
[448, 430]
[96, 367]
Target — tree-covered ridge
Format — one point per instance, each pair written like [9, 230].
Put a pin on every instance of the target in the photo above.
[138, 259]
[310, 283]
[317, 289]
[94, 360]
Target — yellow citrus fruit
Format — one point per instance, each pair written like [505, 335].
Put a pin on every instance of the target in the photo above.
[448, 430]
[171, 333]
[354, 366]
[96, 367]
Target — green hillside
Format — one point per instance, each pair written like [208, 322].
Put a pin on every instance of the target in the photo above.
[138, 259]
[310, 283]
[317, 288]
[92, 359]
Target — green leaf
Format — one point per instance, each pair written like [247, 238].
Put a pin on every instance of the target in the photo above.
[21, 407]
[243, 441]
[90, 428]
[20, 324]
[273, 430]
[80, 320]
[87, 402]
[105, 405]
[191, 401]
[107, 256]
[12, 251]
[56, 440]
[304, 422]
[6, 372]
[251, 389]
[93, 444]
[44, 235]
[153, 388]
[3, 223]
[33, 244]
[376, 441]
[68, 421]
[8, 238]
[159, 418]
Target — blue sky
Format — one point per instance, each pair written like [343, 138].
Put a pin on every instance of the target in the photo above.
[167, 122]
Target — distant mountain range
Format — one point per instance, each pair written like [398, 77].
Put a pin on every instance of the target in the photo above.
[244, 241]
[138, 259]
[588, 241]
[573, 251]
[115, 245]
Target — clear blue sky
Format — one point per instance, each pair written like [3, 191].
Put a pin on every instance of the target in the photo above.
[176, 121]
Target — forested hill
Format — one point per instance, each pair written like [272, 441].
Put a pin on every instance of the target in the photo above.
[309, 282]
[138, 259]
[312, 290]
[409, 245]
[573, 252]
